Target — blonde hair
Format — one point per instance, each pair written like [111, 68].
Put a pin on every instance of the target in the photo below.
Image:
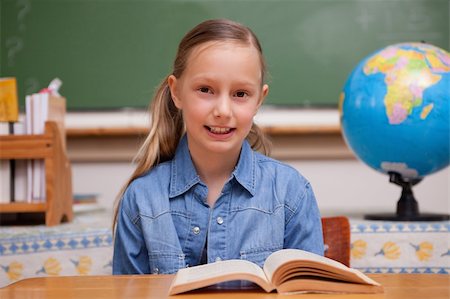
[167, 125]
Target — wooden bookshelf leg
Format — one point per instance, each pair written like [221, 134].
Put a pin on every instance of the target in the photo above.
[59, 182]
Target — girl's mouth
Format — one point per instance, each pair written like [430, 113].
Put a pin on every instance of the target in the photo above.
[219, 130]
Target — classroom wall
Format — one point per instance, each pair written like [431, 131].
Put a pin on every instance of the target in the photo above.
[342, 186]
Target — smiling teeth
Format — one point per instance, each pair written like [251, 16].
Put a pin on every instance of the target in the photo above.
[217, 130]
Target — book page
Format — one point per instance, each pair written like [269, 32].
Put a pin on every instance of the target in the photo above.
[310, 268]
[314, 285]
[206, 275]
[282, 261]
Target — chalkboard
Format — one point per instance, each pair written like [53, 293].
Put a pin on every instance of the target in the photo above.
[112, 54]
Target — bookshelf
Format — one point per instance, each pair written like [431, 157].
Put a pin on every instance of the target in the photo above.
[50, 147]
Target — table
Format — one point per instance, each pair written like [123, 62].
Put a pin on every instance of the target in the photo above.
[409, 286]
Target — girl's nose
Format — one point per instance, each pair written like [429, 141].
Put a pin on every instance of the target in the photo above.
[223, 107]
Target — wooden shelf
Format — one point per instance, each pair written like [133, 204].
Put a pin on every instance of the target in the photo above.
[50, 147]
[21, 207]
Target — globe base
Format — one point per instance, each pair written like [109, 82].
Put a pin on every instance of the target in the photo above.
[396, 217]
[407, 206]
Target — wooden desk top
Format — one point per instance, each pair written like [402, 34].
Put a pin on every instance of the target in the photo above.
[399, 286]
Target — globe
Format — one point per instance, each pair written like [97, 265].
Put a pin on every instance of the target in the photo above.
[394, 111]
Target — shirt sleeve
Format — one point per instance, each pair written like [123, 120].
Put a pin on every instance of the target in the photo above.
[303, 228]
[130, 253]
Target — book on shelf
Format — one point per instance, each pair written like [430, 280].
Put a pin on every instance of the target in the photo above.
[19, 188]
[40, 108]
[37, 128]
[86, 202]
[5, 170]
[286, 271]
[9, 113]
[85, 198]
[30, 163]
[13, 174]
[9, 107]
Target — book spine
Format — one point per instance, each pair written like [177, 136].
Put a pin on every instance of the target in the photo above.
[37, 128]
[5, 171]
[12, 167]
[20, 170]
[45, 107]
[29, 130]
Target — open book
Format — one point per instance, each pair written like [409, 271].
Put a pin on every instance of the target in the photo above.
[287, 271]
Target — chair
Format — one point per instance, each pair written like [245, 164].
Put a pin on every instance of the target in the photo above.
[336, 237]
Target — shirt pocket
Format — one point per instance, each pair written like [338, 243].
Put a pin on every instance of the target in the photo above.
[166, 262]
[259, 255]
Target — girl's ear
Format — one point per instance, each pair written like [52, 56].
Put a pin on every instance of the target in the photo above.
[264, 93]
[172, 82]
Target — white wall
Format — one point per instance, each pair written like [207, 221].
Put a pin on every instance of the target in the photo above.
[103, 179]
[350, 187]
[345, 187]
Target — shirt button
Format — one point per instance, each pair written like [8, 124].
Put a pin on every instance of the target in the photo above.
[155, 271]
[219, 220]
[196, 230]
[218, 259]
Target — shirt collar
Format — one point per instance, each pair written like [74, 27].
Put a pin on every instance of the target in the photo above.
[184, 175]
[246, 167]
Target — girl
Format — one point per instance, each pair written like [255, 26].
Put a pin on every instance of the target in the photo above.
[200, 192]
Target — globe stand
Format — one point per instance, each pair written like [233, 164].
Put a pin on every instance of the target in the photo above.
[407, 206]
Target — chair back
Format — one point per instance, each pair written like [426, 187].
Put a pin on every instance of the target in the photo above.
[336, 237]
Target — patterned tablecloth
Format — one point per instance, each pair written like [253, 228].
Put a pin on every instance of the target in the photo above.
[400, 247]
[84, 247]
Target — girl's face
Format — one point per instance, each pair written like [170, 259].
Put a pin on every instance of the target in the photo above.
[219, 93]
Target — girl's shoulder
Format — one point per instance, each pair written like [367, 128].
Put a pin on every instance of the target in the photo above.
[268, 165]
[289, 185]
[145, 193]
[158, 175]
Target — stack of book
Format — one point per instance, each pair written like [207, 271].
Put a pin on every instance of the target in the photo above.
[24, 180]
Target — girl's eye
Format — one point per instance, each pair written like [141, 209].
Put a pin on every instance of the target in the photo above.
[204, 90]
[241, 94]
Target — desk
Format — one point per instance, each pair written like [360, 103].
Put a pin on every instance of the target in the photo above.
[402, 286]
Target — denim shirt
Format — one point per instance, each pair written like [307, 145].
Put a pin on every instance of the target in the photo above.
[164, 221]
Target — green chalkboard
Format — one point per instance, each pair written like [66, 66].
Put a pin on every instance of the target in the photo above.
[112, 53]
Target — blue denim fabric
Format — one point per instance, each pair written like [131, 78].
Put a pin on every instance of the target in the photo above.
[164, 220]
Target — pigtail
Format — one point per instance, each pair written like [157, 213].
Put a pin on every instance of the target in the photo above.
[258, 140]
[166, 130]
